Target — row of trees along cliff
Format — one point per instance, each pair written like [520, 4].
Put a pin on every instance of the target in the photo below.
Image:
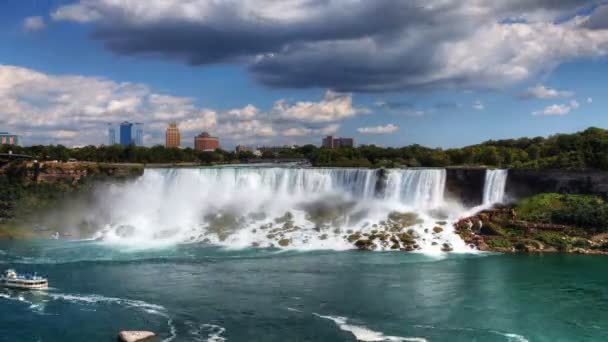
[583, 150]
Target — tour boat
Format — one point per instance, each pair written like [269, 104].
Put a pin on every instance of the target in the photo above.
[12, 279]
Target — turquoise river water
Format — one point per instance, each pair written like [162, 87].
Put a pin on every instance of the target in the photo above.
[198, 293]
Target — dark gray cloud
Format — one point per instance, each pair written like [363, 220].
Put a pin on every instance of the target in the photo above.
[599, 19]
[345, 45]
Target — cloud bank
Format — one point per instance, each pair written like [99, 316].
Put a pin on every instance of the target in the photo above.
[388, 129]
[74, 110]
[353, 45]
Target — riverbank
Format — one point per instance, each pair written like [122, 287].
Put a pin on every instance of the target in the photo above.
[538, 225]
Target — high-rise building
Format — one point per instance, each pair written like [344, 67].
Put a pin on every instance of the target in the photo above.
[8, 139]
[328, 142]
[344, 142]
[243, 148]
[331, 142]
[139, 134]
[172, 136]
[205, 142]
[126, 134]
[111, 135]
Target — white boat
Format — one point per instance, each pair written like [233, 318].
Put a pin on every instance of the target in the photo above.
[14, 280]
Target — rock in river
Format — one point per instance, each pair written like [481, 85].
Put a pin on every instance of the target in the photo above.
[135, 336]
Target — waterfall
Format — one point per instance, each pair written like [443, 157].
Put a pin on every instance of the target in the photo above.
[422, 189]
[494, 186]
[304, 208]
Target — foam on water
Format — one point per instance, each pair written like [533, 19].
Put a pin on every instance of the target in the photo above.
[206, 332]
[365, 334]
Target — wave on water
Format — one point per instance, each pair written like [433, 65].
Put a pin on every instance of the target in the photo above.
[365, 334]
[149, 308]
[206, 332]
[196, 332]
[510, 337]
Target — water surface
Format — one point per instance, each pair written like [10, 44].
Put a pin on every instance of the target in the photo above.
[198, 293]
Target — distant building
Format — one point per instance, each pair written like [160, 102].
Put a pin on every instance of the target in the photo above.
[205, 142]
[111, 135]
[172, 136]
[126, 134]
[243, 148]
[8, 139]
[331, 142]
[139, 134]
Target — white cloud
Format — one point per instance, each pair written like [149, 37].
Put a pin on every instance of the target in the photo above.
[303, 131]
[74, 110]
[247, 112]
[589, 100]
[333, 107]
[478, 105]
[35, 23]
[558, 109]
[574, 104]
[541, 92]
[388, 129]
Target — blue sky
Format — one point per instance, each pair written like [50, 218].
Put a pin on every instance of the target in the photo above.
[260, 73]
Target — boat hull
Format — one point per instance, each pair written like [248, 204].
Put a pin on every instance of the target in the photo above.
[24, 286]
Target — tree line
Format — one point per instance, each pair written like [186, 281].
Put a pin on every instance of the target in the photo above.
[584, 150]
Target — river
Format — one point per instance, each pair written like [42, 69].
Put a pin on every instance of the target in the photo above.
[198, 293]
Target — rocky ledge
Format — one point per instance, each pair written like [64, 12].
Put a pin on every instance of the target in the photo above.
[135, 336]
[500, 230]
[68, 172]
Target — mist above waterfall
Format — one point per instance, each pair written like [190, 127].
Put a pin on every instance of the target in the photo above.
[301, 208]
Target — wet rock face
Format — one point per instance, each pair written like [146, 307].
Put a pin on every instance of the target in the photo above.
[465, 185]
[125, 231]
[393, 233]
[525, 183]
[223, 224]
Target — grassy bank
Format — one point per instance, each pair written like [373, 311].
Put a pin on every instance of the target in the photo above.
[542, 223]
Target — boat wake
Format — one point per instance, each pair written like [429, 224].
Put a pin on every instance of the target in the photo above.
[510, 337]
[365, 334]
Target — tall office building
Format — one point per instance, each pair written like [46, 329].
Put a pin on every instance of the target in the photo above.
[139, 134]
[111, 135]
[126, 136]
[172, 136]
[331, 142]
[205, 142]
[8, 139]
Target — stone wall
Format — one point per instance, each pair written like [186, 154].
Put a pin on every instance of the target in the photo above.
[465, 185]
[525, 183]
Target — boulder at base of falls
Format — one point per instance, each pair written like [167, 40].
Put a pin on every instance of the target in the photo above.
[135, 336]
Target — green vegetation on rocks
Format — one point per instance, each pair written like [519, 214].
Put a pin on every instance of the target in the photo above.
[583, 211]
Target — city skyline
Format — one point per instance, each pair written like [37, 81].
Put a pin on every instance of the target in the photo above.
[516, 70]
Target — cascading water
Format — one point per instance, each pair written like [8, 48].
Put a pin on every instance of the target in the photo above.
[494, 187]
[283, 207]
[422, 189]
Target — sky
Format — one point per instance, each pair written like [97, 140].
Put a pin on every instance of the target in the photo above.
[440, 73]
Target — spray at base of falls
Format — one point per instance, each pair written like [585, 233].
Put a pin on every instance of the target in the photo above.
[290, 208]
